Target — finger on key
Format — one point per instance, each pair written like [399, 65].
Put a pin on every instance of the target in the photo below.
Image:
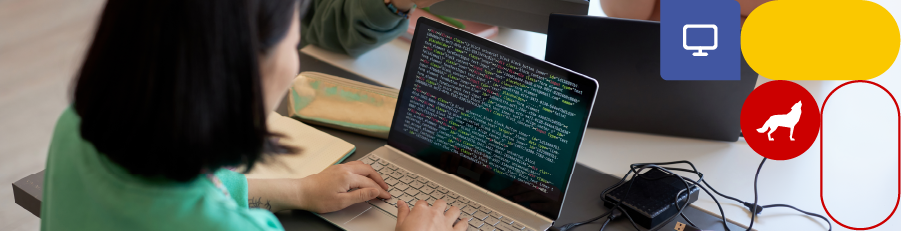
[452, 214]
[440, 205]
[362, 182]
[358, 167]
[402, 211]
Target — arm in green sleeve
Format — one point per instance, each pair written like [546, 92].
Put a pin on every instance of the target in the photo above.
[351, 27]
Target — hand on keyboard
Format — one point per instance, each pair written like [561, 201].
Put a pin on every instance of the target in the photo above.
[328, 191]
[428, 218]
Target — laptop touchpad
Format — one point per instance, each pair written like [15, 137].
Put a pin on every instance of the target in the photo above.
[373, 219]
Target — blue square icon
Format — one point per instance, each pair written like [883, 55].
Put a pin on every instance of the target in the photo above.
[700, 40]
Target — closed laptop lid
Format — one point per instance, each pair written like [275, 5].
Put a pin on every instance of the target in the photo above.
[624, 57]
[505, 121]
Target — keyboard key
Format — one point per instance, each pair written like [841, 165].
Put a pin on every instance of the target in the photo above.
[468, 210]
[383, 162]
[432, 184]
[465, 217]
[458, 204]
[374, 157]
[396, 174]
[470, 228]
[495, 214]
[437, 195]
[391, 181]
[422, 179]
[480, 215]
[476, 223]
[416, 184]
[423, 196]
[396, 192]
[474, 205]
[412, 191]
[406, 179]
[463, 199]
[407, 198]
[486, 228]
[505, 227]
[453, 195]
[431, 200]
[392, 201]
[427, 190]
[391, 166]
[485, 209]
[506, 220]
[401, 186]
[442, 189]
[517, 225]
[368, 161]
[377, 166]
[449, 199]
[490, 220]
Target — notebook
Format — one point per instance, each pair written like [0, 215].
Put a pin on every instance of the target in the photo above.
[316, 150]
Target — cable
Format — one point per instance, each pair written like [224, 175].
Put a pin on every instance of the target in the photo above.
[616, 213]
[635, 171]
[802, 211]
[758, 209]
[754, 211]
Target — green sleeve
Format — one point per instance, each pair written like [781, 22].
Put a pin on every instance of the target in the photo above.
[236, 184]
[351, 27]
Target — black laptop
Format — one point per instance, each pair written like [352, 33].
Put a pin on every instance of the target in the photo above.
[624, 57]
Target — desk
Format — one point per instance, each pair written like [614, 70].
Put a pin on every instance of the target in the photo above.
[869, 180]
[582, 201]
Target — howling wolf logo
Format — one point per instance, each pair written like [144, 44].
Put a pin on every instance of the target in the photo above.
[788, 120]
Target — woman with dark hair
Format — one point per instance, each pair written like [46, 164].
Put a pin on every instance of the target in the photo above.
[171, 94]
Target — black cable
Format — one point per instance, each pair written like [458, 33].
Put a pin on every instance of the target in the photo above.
[605, 224]
[615, 214]
[636, 170]
[802, 211]
[755, 210]
[758, 208]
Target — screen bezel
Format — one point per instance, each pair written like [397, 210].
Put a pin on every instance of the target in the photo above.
[590, 86]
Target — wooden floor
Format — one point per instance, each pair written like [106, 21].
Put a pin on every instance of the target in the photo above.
[41, 46]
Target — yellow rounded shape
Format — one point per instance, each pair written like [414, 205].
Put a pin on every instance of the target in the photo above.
[820, 40]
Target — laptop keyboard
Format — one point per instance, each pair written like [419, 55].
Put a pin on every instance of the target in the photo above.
[411, 187]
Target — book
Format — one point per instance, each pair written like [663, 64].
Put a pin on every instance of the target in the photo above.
[315, 150]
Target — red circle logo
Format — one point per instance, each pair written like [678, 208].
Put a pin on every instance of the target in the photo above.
[780, 120]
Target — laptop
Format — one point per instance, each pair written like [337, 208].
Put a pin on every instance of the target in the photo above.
[490, 130]
[624, 57]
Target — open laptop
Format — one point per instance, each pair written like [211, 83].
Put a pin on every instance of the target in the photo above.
[624, 57]
[491, 130]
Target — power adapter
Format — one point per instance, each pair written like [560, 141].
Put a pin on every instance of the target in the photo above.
[650, 201]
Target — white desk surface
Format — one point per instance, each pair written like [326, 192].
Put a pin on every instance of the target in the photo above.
[861, 171]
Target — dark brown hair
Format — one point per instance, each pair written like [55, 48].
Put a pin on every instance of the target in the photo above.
[172, 88]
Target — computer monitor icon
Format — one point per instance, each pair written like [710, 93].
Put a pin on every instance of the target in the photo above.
[700, 49]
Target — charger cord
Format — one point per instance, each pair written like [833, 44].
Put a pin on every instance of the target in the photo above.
[635, 170]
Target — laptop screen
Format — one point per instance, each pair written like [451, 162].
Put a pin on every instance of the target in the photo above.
[498, 118]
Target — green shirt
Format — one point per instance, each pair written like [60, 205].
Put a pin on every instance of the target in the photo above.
[83, 190]
[350, 27]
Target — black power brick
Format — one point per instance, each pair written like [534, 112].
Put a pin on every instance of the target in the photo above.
[651, 200]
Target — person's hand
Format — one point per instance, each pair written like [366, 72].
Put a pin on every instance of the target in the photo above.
[328, 191]
[405, 5]
[428, 218]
